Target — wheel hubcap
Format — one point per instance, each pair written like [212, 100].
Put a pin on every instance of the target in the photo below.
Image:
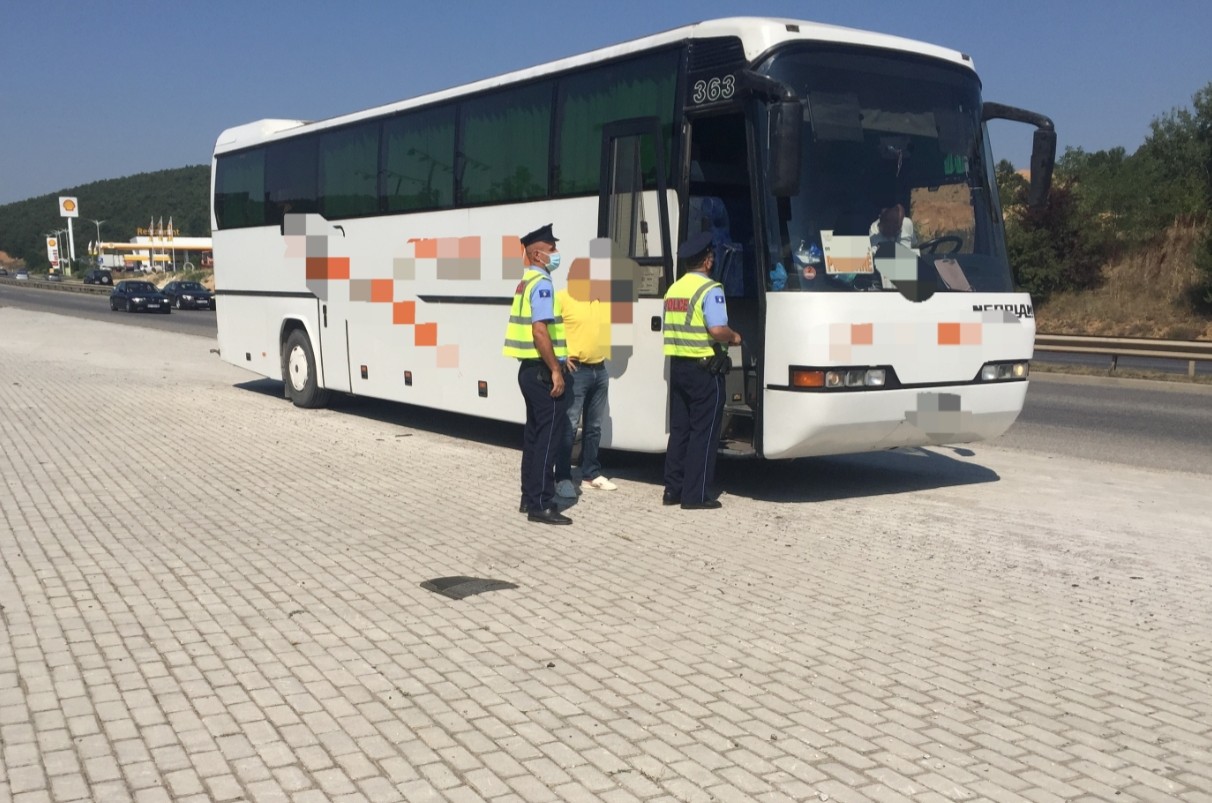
[297, 366]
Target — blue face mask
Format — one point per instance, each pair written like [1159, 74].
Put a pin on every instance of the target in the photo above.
[553, 260]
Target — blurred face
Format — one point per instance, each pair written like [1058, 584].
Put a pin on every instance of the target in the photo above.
[891, 220]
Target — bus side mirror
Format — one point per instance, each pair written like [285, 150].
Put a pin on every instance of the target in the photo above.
[1043, 159]
[1043, 147]
[786, 127]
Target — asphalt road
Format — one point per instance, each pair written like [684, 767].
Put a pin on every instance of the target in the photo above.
[1135, 422]
[1165, 425]
[96, 306]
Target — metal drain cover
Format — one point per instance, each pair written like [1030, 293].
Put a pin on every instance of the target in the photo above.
[463, 587]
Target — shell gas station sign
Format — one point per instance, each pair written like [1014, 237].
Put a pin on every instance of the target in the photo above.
[52, 251]
[68, 207]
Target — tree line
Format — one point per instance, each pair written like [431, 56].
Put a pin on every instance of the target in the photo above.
[1111, 204]
[124, 204]
[1104, 205]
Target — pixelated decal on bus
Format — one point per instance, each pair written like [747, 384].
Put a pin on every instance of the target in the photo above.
[603, 277]
[844, 338]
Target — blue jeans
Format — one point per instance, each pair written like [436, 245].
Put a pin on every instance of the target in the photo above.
[587, 387]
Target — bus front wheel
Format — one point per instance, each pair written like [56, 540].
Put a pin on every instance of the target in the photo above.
[299, 372]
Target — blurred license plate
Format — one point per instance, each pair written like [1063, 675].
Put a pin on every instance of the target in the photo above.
[153, 306]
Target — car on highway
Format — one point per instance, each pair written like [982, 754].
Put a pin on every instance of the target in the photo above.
[135, 296]
[3, 271]
[98, 276]
[22, 275]
[188, 295]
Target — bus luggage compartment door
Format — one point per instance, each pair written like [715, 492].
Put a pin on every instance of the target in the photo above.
[334, 350]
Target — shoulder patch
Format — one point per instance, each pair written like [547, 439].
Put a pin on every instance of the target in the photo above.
[544, 292]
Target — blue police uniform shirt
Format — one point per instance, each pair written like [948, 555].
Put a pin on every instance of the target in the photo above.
[542, 301]
[715, 311]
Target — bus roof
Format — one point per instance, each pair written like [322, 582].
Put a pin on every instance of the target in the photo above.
[757, 35]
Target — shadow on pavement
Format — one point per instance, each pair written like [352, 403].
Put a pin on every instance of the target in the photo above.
[814, 479]
[810, 479]
[399, 414]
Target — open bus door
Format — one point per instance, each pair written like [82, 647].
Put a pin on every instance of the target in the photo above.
[720, 199]
[634, 215]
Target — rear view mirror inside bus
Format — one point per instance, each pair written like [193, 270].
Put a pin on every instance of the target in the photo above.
[786, 126]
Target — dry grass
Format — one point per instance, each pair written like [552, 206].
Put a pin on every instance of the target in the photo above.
[1144, 295]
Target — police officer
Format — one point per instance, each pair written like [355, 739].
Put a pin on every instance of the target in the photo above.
[535, 336]
[696, 318]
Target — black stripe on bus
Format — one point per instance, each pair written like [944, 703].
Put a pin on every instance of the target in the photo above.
[265, 293]
[491, 300]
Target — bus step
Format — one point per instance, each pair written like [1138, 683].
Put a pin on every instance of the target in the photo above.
[731, 447]
[738, 409]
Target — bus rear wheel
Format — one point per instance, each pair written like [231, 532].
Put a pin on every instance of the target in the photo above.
[299, 372]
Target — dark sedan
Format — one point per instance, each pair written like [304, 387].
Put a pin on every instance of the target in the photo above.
[136, 296]
[188, 295]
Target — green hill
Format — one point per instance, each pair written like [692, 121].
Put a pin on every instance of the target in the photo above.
[124, 204]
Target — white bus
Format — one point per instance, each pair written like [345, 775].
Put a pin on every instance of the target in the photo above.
[376, 253]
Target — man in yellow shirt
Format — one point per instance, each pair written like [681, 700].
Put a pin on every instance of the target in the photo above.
[587, 331]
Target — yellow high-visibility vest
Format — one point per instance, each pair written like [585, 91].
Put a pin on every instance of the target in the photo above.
[519, 339]
[684, 325]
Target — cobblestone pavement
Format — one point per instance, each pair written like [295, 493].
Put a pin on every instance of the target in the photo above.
[208, 594]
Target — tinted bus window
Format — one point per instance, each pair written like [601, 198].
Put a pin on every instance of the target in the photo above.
[240, 189]
[505, 139]
[290, 178]
[418, 162]
[640, 88]
[349, 171]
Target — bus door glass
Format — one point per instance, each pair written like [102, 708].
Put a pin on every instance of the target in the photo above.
[633, 223]
[633, 211]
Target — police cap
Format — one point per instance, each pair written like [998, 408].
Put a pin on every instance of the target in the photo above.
[695, 246]
[540, 235]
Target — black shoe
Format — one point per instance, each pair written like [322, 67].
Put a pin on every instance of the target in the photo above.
[551, 515]
[706, 504]
[670, 499]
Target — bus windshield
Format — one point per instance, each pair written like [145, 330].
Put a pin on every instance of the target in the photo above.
[897, 187]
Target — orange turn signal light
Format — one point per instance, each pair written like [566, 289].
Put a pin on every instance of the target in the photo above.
[807, 379]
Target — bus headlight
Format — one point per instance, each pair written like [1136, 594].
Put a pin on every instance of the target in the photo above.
[999, 371]
[839, 378]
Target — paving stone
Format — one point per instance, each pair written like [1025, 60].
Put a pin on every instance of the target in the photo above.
[272, 640]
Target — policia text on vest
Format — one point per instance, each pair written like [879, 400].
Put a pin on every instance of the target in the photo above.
[695, 321]
[534, 337]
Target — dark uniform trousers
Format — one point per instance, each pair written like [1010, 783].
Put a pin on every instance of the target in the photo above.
[546, 419]
[696, 409]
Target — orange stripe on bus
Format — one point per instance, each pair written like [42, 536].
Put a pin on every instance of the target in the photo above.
[382, 290]
[426, 334]
[426, 249]
[404, 312]
[328, 267]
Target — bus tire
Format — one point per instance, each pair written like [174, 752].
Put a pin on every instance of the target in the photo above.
[299, 372]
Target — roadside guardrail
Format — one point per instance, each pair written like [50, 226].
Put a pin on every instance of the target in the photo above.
[68, 287]
[1192, 351]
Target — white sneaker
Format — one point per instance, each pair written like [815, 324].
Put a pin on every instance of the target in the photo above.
[600, 484]
[566, 489]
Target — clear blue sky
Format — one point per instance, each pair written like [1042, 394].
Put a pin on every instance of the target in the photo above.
[99, 90]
